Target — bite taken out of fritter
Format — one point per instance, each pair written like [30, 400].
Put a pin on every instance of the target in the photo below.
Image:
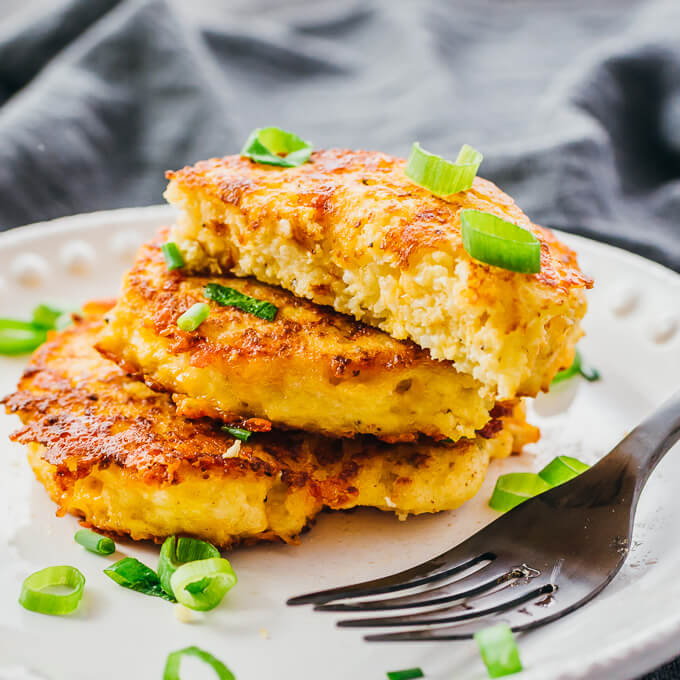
[309, 368]
[350, 230]
[113, 452]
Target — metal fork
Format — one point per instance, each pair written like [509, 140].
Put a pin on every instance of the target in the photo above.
[542, 560]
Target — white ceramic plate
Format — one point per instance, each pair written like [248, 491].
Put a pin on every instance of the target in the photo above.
[632, 337]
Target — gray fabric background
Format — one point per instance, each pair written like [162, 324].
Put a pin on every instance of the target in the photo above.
[575, 104]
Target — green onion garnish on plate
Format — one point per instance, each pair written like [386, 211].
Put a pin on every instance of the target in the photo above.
[20, 337]
[34, 597]
[237, 432]
[178, 551]
[406, 674]
[494, 241]
[45, 316]
[131, 573]
[498, 650]
[171, 671]
[173, 257]
[577, 368]
[515, 488]
[440, 176]
[94, 542]
[273, 146]
[562, 469]
[230, 297]
[193, 317]
[202, 584]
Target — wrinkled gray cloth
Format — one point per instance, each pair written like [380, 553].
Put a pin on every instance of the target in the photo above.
[576, 105]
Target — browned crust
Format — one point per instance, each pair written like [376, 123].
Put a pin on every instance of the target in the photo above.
[322, 188]
[88, 412]
[301, 328]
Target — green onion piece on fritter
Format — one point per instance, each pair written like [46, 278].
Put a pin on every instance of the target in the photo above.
[562, 469]
[273, 146]
[178, 551]
[172, 255]
[498, 650]
[406, 674]
[515, 488]
[230, 297]
[494, 241]
[131, 573]
[34, 597]
[202, 584]
[440, 176]
[237, 432]
[193, 317]
[94, 542]
[171, 671]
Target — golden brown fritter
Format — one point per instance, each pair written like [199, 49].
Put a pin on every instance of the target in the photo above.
[310, 368]
[112, 451]
[348, 229]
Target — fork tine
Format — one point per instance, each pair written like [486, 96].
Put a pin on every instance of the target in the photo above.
[425, 573]
[463, 631]
[435, 616]
[481, 581]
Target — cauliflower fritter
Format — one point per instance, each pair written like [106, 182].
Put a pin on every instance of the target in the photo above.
[348, 229]
[310, 368]
[113, 452]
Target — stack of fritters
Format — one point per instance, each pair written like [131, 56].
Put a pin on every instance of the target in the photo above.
[132, 437]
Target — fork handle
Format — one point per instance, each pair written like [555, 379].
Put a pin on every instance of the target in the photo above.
[647, 444]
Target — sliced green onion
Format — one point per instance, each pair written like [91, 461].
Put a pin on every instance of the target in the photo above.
[499, 651]
[172, 255]
[238, 432]
[515, 488]
[274, 146]
[577, 368]
[440, 176]
[193, 317]
[131, 573]
[174, 660]
[561, 470]
[45, 316]
[198, 586]
[588, 372]
[221, 578]
[177, 551]
[34, 597]
[20, 337]
[503, 244]
[230, 297]
[94, 542]
[406, 674]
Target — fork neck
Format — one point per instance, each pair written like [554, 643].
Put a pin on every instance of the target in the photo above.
[647, 444]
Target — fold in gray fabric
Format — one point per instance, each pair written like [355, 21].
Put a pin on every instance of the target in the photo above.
[576, 105]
